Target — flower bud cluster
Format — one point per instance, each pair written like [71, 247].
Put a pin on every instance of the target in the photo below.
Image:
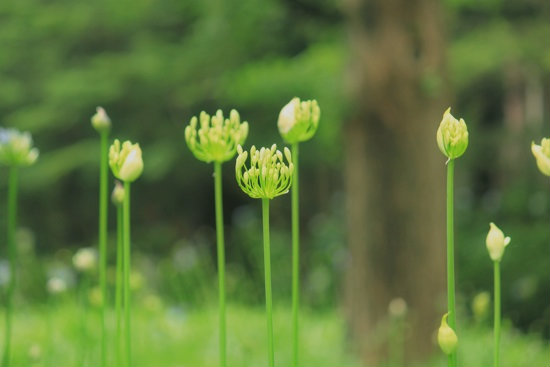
[452, 136]
[298, 120]
[16, 148]
[125, 161]
[214, 138]
[268, 176]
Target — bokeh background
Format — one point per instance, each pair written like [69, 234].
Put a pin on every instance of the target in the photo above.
[372, 188]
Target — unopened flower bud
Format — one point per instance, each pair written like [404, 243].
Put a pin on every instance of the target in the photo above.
[117, 197]
[452, 136]
[480, 305]
[298, 120]
[496, 242]
[542, 155]
[85, 259]
[446, 337]
[16, 148]
[100, 121]
[126, 162]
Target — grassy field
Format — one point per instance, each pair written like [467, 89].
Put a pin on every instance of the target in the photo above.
[64, 334]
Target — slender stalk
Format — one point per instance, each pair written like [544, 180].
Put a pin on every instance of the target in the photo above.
[267, 268]
[221, 258]
[119, 285]
[497, 312]
[12, 253]
[103, 176]
[295, 255]
[84, 289]
[450, 255]
[126, 260]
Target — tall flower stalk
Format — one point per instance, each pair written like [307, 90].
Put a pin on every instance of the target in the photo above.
[215, 139]
[16, 150]
[496, 243]
[127, 165]
[542, 155]
[298, 122]
[452, 140]
[267, 177]
[102, 124]
[117, 197]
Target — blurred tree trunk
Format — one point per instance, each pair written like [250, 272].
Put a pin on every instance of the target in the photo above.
[395, 175]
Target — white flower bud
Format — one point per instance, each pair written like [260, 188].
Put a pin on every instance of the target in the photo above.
[496, 242]
[100, 121]
[446, 337]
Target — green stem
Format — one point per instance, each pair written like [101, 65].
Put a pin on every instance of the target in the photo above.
[12, 253]
[267, 268]
[221, 258]
[103, 202]
[119, 285]
[84, 288]
[126, 257]
[450, 256]
[497, 312]
[295, 255]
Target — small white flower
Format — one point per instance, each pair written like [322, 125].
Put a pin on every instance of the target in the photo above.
[85, 259]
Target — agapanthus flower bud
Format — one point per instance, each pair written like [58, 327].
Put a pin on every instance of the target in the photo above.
[85, 259]
[117, 197]
[268, 176]
[126, 162]
[496, 242]
[480, 305]
[446, 337]
[16, 148]
[101, 121]
[215, 138]
[298, 120]
[452, 136]
[542, 155]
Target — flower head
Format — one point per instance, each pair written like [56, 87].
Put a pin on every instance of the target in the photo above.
[298, 120]
[215, 138]
[100, 121]
[16, 148]
[542, 155]
[446, 337]
[452, 136]
[496, 242]
[117, 197]
[268, 176]
[85, 259]
[126, 162]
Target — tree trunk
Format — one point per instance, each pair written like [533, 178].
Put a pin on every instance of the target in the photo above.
[395, 175]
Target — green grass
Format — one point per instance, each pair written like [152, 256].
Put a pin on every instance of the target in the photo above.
[173, 336]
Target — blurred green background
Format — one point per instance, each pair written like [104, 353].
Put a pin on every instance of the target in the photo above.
[154, 64]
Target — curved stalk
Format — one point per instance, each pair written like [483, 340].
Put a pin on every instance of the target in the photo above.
[221, 259]
[103, 202]
[450, 255]
[267, 269]
[12, 253]
[295, 255]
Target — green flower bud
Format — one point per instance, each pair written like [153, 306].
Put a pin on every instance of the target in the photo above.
[117, 197]
[126, 163]
[213, 138]
[100, 121]
[452, 136]
[16, 148]
[496, 242]
[446, 337]
[542, 155]
[480, 305]
[268, 176]
[298, 121]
